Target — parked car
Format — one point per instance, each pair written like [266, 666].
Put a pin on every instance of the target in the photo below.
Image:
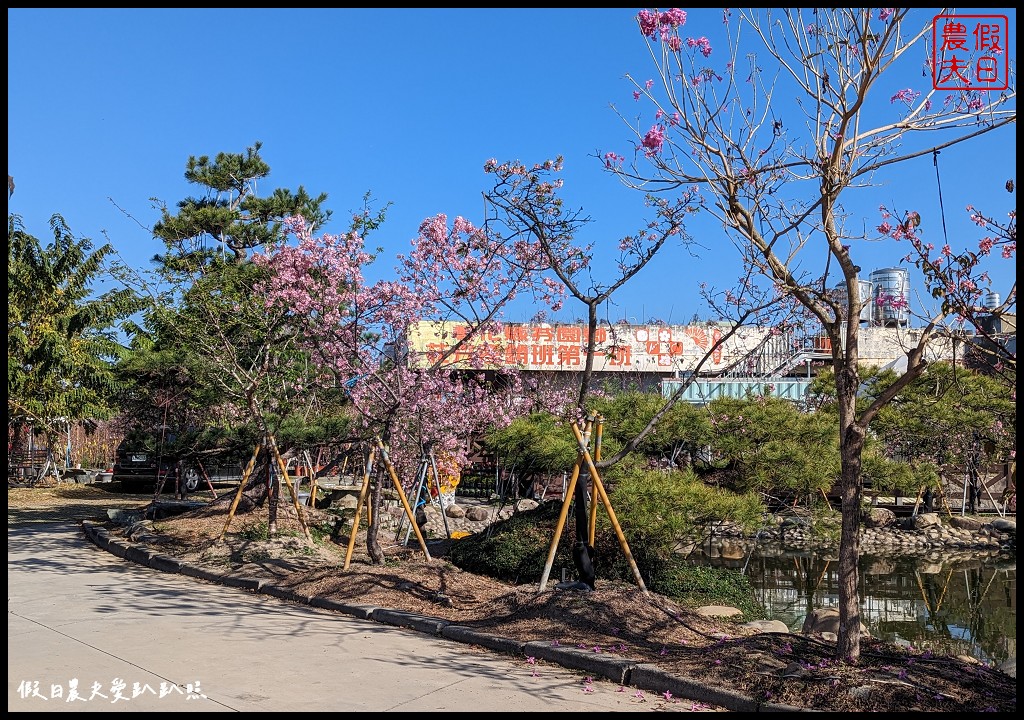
[135, 464]
[142, 460]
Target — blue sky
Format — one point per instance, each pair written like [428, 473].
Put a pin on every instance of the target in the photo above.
[105, 106]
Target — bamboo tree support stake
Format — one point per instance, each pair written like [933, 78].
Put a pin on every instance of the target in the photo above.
[608, 506]
[241, 486]
[917, 500]
[942, 496]
[401, 496]
[206, 477]
[566, 502]
[825, 497]
[364, 496]
[312, 480]
[592, 527]
[283, 467]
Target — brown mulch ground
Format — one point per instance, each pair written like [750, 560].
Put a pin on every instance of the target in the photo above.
[618, 619]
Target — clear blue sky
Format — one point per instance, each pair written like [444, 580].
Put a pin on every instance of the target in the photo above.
[105, 106]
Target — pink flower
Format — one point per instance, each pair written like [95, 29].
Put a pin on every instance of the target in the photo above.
[674, 17]
[906, 95]
[654, 140]
[885, 13]
[648, 22]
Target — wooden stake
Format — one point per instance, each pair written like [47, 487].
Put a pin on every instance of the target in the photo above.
[364, 496]
[206, 476]
[917, 500]
[566, 502]
[592, 527]
[241, 486]
[581, 443]
[825, 497]
[401, 496]
[283, 467]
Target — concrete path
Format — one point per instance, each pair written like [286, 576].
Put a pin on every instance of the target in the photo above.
[128, 638]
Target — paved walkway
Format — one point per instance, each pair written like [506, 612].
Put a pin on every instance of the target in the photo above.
[126, 637]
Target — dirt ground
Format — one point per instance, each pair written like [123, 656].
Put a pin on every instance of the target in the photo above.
[619, 619]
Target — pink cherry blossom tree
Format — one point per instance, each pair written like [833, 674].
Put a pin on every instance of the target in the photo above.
[780, 134]
[356, 331]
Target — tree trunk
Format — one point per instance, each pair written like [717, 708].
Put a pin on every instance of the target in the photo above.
[373, 548]
[851, 447]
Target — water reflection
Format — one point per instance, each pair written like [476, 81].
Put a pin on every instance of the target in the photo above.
[954, 605]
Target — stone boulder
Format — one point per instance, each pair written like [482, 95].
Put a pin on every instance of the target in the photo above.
[879, 518]
[825, 622]
[526, 504]
[455, 511]
[1005, 526]
[927, 520]
[767, 626]
[966, 523]
[478, 514]
[718, 611]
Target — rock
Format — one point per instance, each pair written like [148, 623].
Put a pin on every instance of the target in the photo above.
[526, 504]
[825, 620]
[477, 514]
[861, 692]
[124, 517]
[732, 551]
[879, 518]
[767, 626]
[718, 611]
[455, 512]
[1004, 526]
[966, 523]
[927, 520]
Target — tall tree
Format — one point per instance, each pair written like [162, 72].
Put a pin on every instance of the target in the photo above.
[62, 337]
[779, 183]
[211, 360]
[358, 332]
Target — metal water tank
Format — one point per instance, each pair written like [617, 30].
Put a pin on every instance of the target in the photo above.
[992, 301]
[891, 296]
[866, 298]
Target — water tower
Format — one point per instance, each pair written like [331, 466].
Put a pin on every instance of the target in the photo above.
[891, 297]
[992, 301]
[866, 298]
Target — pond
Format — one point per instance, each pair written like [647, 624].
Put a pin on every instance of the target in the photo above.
[954, 604]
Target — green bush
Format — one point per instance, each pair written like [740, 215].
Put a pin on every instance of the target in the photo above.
[514, 550]
[655, 509]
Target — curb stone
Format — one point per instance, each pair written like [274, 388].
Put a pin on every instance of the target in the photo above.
[653, 678]
[363, 612]
[423, 623]
[461, 633]
[286, 594]
[639, 675]
[604, 665]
